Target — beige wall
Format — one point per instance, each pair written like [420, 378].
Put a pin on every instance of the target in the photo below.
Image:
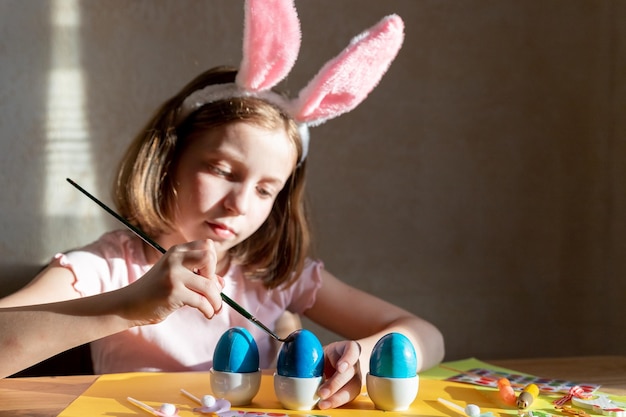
[481, 185]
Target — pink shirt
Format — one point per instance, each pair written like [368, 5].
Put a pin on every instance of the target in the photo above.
[186, 339]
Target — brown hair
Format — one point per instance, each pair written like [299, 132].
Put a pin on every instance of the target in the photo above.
[145, 194]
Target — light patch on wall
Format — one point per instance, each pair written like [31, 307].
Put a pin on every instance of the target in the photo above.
[68, 148]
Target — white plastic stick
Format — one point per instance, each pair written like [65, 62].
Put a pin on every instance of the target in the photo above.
[452, 405]
[142, 405]
[190, 395]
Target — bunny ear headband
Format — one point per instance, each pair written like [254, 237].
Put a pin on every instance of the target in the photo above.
[270, 49]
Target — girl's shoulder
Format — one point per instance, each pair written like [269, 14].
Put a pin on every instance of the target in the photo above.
[114, 260]
[310, 264]
[117, 244]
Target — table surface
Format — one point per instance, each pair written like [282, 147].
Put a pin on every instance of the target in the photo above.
[48, 396]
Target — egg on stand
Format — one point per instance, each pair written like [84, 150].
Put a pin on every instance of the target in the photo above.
[235, 375]
[299, 371]
[392, 381]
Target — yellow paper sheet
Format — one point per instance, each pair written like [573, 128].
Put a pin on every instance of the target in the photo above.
[107, 396]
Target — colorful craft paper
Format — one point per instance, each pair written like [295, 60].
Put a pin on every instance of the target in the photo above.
[489, 378]
[107, 395]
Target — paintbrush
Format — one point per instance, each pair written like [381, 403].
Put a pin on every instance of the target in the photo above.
[156, 246]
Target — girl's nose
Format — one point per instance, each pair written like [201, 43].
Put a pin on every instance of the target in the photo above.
[238, 199]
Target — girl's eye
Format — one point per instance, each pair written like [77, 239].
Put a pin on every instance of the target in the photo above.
[264, 192]
[219, 171]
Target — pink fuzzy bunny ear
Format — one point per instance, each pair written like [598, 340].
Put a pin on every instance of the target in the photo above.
[346, 80]
[271, 43]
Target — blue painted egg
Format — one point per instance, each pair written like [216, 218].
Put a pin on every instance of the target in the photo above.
[236, 352]
[301, 356]
[393, 356]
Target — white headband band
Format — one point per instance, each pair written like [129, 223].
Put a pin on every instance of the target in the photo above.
[217, 92]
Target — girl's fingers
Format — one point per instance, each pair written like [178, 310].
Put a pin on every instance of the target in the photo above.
[207, 307]
[198, 256]
[205, 290]
[208, 267]
[204, 285]
[343, 395]
[343, 379]
[337, 382]
[343, 355]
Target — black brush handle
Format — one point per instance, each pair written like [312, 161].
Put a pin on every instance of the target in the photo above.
[158, 247]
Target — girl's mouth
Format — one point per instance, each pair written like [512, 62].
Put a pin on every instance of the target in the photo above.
[221, 230]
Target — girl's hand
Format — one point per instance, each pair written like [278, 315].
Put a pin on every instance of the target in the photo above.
[185, 275]
[342, 373]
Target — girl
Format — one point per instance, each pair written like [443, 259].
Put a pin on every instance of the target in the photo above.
[229, 172]
[224, 162]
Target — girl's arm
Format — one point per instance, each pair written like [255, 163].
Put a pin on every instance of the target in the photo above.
[364, 318]
[32, 333]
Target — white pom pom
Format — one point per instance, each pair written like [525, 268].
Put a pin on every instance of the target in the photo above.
[168, 409]
[208, 401]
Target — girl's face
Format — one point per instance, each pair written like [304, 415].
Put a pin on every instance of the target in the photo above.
[227, 180]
